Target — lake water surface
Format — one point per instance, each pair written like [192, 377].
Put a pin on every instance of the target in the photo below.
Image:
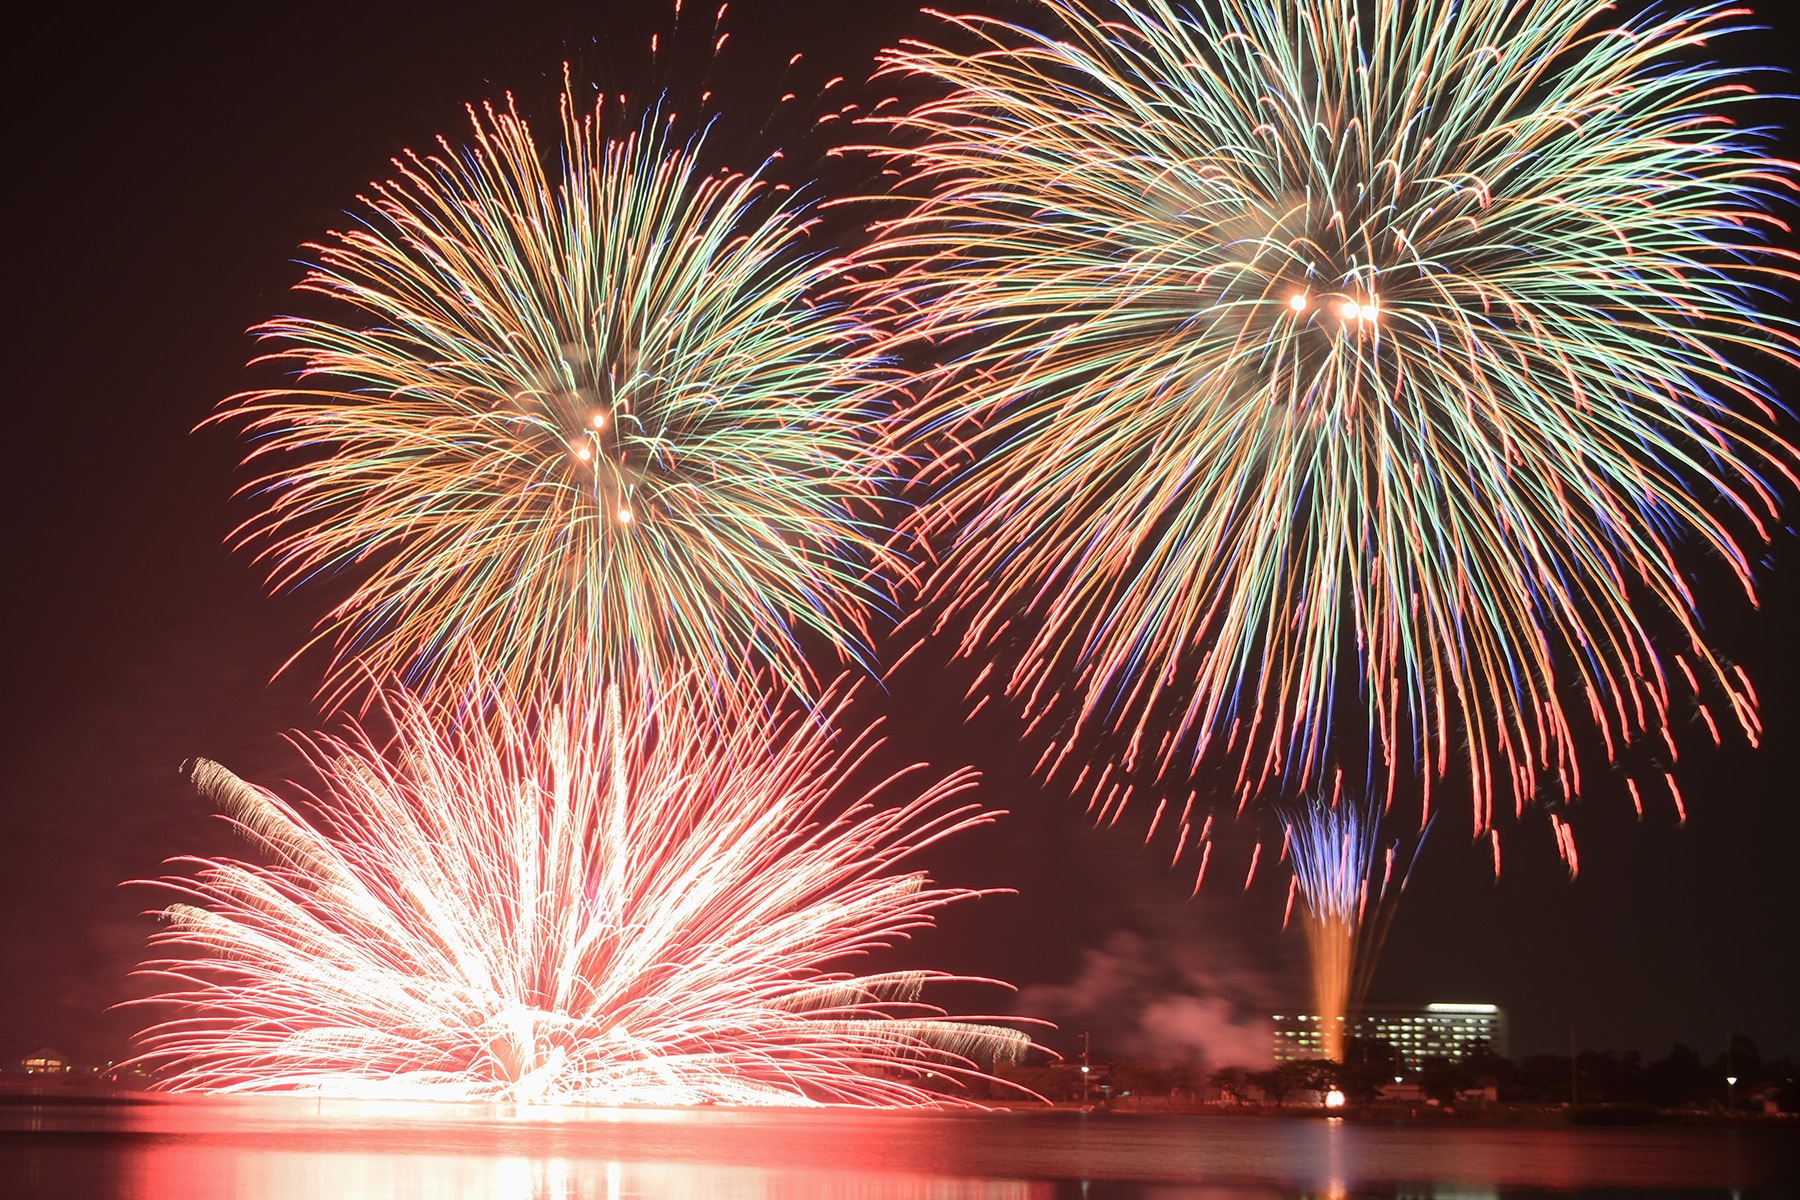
[291, 1149]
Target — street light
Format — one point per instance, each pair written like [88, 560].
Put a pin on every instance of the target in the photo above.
[1730, 1083]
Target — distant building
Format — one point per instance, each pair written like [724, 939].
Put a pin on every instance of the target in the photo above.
[1434, 1031]
[46, 1062]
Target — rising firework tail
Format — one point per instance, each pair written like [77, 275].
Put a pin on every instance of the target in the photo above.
[576, 406]
[584, 895]
[1350, 885]
[1342, 349]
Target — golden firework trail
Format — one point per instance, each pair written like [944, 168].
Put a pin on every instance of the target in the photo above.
[1350, 887]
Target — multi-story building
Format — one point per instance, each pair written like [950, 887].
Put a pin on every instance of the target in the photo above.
[1435, 1031]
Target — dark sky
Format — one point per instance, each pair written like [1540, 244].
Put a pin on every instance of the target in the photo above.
[164, 168]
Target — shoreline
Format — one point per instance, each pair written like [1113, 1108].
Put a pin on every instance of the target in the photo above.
[17, 1094]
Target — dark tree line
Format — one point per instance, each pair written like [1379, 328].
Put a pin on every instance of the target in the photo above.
[1681, 1078]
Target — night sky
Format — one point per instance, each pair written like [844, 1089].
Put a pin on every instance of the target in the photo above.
[165, 168]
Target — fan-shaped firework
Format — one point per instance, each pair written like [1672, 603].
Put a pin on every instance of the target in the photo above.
[1347, 342]
[555, 903]
[578, 414]
[1347, 883]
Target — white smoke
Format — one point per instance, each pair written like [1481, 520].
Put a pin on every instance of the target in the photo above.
[1151, 998]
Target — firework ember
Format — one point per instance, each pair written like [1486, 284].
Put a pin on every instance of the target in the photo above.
[564, 900]
[1296, 350]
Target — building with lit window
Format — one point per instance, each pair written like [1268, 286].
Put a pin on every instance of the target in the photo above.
[46, 1062]
[1450, 1031]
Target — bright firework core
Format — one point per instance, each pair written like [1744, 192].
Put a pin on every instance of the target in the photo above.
[564, 900]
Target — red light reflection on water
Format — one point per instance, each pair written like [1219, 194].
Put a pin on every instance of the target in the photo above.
[194, 1172]
[286, 1148]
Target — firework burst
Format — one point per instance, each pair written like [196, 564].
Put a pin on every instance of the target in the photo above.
[1302, 350]
[581, 413]
[1347, 883]
[565, 900]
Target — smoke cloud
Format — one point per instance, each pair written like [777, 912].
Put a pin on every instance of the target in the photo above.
[1141, 999]
[1176, 979]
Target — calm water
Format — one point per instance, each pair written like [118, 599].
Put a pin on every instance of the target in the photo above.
[282, 1149]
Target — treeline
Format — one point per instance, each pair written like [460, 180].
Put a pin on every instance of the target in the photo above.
[1681, 1078]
